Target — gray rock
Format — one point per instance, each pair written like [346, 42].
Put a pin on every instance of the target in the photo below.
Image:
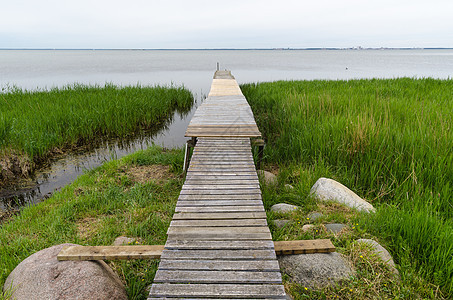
[42, 276]
[267, 177]
[315, 270]
[280, 223]
[326, 189]
[124, 240]
[289, 187]
[313, 216]
[381, 252]
[284, 208]
[334, 227]
[307, 227]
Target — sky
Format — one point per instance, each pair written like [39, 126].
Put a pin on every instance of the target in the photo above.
[199, 24]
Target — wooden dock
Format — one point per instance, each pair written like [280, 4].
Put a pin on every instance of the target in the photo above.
[219, 244]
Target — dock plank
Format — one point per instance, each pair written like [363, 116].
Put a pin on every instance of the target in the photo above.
[219, 290]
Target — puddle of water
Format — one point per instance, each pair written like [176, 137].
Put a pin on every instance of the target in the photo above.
[65, 170]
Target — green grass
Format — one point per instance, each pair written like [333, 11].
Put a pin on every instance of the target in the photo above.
[110, 201]
[38, 122]
[390, 141]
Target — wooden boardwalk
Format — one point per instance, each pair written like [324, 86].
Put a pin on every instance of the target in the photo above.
[219, 244]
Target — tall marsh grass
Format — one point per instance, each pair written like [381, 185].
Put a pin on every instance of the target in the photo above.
[390, 140]
[37, 122]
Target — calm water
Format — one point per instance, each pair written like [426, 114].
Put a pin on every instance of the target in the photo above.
[194, 68]
[44, 69]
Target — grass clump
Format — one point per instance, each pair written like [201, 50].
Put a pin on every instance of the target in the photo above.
[389, 140]
[35, 123]
[116, 199]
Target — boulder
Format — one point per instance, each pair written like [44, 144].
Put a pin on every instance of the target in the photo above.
[334, 227]
[267, 177]
[326, 189]
[280, 223]
[42, 276]
[283, 208]
[316, 270]
[380, 251]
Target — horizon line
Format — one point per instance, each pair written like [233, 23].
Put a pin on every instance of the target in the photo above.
[245, 49]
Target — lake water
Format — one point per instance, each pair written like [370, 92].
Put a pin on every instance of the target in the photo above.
[44, 69]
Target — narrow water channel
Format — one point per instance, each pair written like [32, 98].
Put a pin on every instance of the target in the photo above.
[66, 169]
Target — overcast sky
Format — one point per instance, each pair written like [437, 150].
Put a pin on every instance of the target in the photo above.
[225, 24]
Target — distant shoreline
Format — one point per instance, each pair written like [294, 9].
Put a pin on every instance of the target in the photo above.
[226, 49]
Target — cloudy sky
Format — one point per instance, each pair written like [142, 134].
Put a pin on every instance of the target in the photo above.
[225, 24]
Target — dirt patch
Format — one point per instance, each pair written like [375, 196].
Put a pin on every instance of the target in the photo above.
[13, 166]
[87, 227]
[143, 174]
[6, 215]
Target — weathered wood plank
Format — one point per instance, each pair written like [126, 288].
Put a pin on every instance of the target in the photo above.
[209, 181]
[209, 209]
[110, 252]
[304, 247]
[219, 223]
[222, 162]
[192, 177]
[183, 203]
[220, 265]
[265, 254]
[218, 290]
[220, 173]
[224, 276]
[220, 186]
[219, 245]
[224, 236]
[204, 231]
[254, 191]
[155, 251]
[220, 197]
[219, 216]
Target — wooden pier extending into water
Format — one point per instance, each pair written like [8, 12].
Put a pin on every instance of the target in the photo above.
[219, 244]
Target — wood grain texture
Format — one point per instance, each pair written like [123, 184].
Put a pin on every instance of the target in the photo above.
[211, 276]
[218, 290]
[110, 252]
[304, 247]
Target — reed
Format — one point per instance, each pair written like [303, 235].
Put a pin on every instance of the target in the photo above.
[390, 140]
[38, 122]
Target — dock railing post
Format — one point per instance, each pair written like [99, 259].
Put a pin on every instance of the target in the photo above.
[189, 144]
[260, 144]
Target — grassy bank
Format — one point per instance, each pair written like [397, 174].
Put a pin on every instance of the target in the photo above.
[390, 141]
[133, 197]
[40, 122]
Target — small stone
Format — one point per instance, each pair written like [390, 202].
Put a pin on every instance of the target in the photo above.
[124, 240]
[334, 227]
[326, 189]
[284, 208]
[313, 216]
[280, 223]
[307, 227]
[267, 177]
[381, 252]
[289, 187]
[316, 270]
